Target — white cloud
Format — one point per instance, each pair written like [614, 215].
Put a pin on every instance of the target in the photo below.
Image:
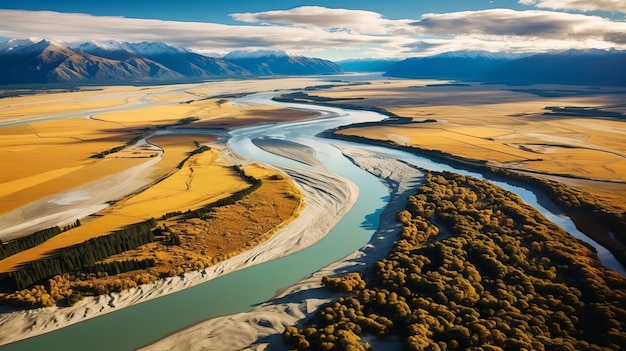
[532, 25]
[325, 32]
[354, 21]
[580, 5]
[196, 35]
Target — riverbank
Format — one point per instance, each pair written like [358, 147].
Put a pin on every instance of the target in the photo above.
[264, 324]
[327, 198]
[598, 221]
[576, 160]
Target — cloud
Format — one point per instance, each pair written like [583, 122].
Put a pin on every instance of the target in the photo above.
[508, 23]
[616, 37]
[200, 36]
[580, 5]
[328, 33]
[354, 21]
[427, 47]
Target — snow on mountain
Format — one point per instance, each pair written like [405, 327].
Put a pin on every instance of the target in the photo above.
[91, 46]
[23, 46]
[250, 54]
[50, 61]
[155, 48]
[16, 44]
[142, 48]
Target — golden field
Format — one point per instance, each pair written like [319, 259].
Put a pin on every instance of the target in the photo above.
[47, 144]
[135, 127]
[508, 127]
[200, 180]
[46, 140]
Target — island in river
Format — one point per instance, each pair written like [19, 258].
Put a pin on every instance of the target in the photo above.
[208, 109]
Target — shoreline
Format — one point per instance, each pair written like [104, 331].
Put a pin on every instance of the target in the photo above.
[263, 325]
[327, 197]
[541, 187]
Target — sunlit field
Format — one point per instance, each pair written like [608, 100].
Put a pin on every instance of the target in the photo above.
[506, 126]
[163, 140]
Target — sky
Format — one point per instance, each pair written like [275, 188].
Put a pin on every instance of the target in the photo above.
[335, 30]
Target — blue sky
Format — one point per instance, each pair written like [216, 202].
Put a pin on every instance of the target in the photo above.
[330, 29]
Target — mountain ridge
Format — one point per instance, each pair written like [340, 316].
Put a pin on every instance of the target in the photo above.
[30, 61]
[46, 61]
[584, 67]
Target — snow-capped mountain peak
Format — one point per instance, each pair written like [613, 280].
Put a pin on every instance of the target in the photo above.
[142, 48]
[155, 48]
[29, 45]
[13, 44]
[90, 46]
[248, 54]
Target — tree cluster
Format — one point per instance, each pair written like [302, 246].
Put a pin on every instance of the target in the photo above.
[26, 242]
[81, 256]
[604, 223]
[12, 247]
[117, 267]
[474, 269]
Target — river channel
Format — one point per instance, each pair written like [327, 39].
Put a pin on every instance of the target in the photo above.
[239, 291]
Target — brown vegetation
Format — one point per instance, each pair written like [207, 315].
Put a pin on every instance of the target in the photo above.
[577, 159]
[475, 269]
[185, 244]
[45, 157]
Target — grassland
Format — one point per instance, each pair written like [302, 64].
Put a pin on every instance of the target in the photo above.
[579, 158]
[72, 142]
[509, 129]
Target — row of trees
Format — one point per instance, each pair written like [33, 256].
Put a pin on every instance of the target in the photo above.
[112, 150]
[115, 149]
[82, 256]
[198, 150]
[229, 200]
[117, 267]
[474, 268]
[12, 247]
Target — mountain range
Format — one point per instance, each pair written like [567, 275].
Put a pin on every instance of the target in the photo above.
[585, 67]
[27, 61]
[49, 61]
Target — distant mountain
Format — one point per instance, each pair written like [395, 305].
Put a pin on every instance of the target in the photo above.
[367, 65]
[47, 61]
[183, 61]
[453, 65]
[280, 63]
[586, 67]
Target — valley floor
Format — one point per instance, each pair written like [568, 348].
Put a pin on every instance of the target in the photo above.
[52, 146]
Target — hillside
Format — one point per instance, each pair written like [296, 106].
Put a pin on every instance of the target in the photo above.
[49, 61]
